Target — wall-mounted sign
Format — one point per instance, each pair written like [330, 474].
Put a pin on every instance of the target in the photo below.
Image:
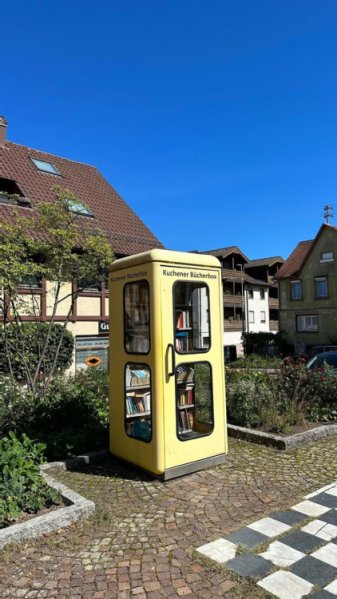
[103, 327]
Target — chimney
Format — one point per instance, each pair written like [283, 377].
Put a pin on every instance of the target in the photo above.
[3, 127]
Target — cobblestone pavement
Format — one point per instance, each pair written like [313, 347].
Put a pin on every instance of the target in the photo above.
[143, 538]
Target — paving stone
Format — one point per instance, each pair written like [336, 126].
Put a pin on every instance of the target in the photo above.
[314, 570]
[286, 585]
[310, 508]
[289, 517]
[247, 537]
[269, 527]
[220, 550]
[322, 595]
[158, 526]
[332, 588]
[330, 516]
[281, 555]
[302, 541]
[321, 529]
[327, 499]
[327, 554]
[249, 565]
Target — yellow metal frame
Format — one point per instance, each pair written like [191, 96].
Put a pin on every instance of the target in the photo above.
[165, 455]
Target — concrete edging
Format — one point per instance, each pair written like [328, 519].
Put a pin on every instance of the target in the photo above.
[279, 442]
[77, 507]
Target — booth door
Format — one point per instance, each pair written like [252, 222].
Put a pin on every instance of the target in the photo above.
[189, 390]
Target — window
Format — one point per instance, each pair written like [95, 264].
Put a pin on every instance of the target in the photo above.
[194, 400]
[138, 402]
[308, 324]
[296, 290]
[46, 167]
[250, 293]
[31, 282]
[191, 317]
[321, 287]
[251, 316]
[10, 193]
[78, 207]
[136, 318]
[326, 257]
[262, 294]
[263, 316]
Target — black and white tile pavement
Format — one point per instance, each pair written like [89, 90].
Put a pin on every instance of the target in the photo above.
[292, 554]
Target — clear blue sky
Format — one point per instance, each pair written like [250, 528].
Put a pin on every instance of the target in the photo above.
[215, 120]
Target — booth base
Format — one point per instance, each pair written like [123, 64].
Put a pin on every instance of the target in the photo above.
[193, 467]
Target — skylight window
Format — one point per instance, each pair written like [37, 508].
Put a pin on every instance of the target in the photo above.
[78, 207]
[46, 167]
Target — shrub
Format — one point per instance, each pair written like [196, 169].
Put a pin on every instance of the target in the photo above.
[33, 339]
[71, 417]
[22, 488]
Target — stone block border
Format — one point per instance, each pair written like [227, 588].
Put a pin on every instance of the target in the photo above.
[76, 506]
[279, 442]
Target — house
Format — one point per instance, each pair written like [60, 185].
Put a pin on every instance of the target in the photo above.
[308, 292]
[250, 295]
[30, 175]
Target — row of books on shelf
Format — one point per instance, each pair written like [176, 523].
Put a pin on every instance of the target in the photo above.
[183, 319]
[186, 420]
[137, 376]
[185, 396]
[138, 403]
[183, 342]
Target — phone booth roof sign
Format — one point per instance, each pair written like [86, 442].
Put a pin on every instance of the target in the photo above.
[186, 258]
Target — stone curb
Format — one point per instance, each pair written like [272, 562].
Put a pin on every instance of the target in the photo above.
[290, 442]
[77, 507]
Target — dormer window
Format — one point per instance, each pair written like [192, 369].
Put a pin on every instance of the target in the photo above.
[46, 167]
[10, 193]
[78, 208]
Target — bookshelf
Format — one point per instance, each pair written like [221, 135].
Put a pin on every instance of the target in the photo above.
[138, 401]
[136, 315]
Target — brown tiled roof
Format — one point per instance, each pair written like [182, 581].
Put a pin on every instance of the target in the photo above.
[264, 262]
[300, 254]
[295, 261]
[127, 232]
[227, 251]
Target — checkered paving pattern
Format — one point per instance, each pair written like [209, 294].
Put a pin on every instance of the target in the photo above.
[291, 554]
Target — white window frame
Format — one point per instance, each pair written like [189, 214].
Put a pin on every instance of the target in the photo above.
[319, 280]
[293, 286]
[263, 316]
[327, 257]
[307, 323]
[251, 317]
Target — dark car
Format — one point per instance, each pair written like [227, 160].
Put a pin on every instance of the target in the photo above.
[318, 361]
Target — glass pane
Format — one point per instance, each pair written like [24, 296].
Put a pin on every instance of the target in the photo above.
[138, 401]
[191, 312]
[45, 166]
[136, 318]
[194, 400]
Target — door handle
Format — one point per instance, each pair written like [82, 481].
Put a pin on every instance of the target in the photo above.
[173, 356]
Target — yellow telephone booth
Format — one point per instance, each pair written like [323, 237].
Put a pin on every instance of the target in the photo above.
[167, 394]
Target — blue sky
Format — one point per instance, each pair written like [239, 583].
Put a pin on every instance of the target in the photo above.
[216, 121]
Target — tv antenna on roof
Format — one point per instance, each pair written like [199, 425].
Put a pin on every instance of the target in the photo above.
[327, 213]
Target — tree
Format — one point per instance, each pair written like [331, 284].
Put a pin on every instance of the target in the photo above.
[56, 244]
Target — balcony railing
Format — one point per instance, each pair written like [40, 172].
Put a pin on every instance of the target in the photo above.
[273, 325]
[233, 324]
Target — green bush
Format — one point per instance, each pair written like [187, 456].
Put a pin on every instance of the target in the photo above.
[70, 418]
[32, 338]
[22, 488]
[278, 402]
[257, 361]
